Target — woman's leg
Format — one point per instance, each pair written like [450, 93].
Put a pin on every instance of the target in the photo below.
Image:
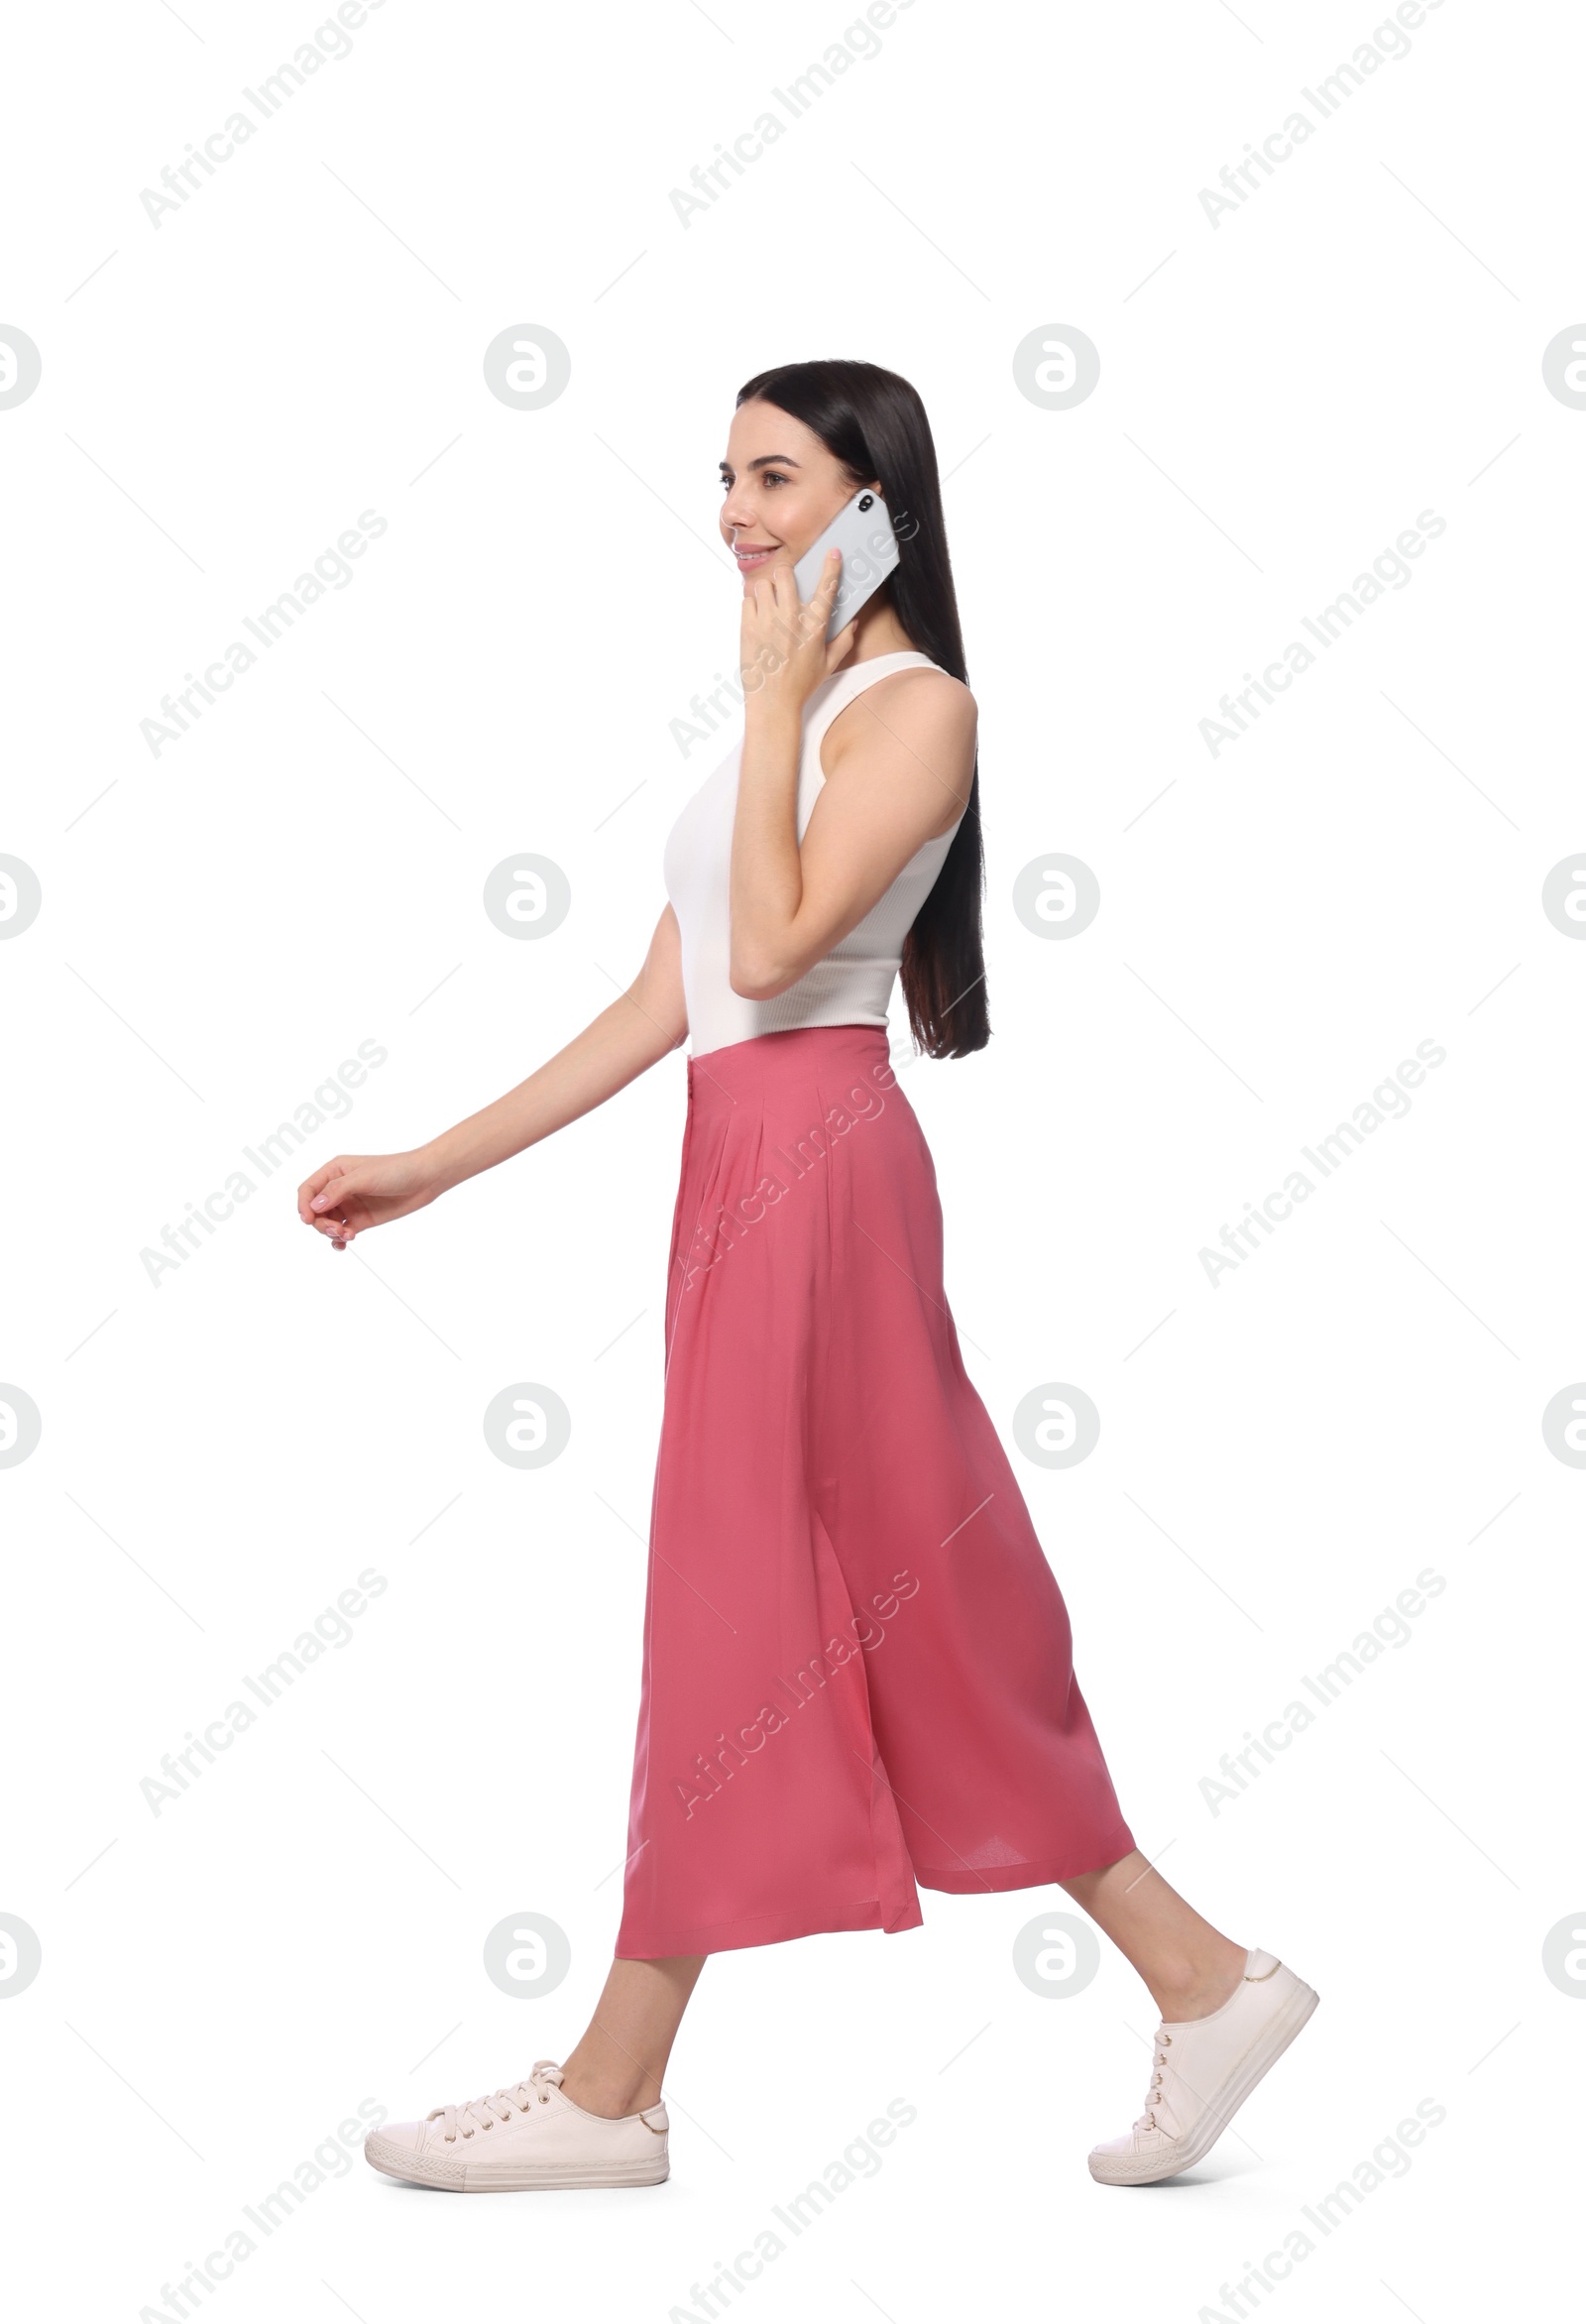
[1190, 1967]
[617, 2067]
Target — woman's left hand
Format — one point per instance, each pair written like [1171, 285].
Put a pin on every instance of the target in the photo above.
[783, 653]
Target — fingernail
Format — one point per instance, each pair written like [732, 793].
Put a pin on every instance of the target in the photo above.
[319, 1202]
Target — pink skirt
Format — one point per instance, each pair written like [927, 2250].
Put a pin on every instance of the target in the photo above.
[857, 1665]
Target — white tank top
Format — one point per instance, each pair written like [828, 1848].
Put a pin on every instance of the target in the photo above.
[852, 984]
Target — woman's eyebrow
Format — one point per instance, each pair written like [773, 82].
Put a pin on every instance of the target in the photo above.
[765, 461]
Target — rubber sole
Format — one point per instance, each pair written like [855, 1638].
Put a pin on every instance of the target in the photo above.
[501, 2179]
[1144, 2171]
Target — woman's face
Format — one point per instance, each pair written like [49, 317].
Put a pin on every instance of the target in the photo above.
[783, 488]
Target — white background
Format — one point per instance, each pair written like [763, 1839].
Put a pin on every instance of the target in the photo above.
[1279, 396]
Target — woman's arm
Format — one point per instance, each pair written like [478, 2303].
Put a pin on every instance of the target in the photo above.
[898, 764]
[359, 1191]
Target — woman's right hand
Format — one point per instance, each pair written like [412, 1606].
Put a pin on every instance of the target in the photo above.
[358, 1191]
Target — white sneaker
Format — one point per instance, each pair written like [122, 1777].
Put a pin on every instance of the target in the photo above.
[1204, 2071]
[528, 2135]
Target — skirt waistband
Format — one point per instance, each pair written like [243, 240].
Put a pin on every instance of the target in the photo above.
[772, 1062]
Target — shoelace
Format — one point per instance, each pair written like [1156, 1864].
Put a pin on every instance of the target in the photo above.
[483, 2114]
[1148, 2120]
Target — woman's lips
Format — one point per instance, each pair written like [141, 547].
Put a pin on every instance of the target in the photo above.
[749, 558]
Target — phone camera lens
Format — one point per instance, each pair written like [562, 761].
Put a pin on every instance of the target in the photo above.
[868, 501]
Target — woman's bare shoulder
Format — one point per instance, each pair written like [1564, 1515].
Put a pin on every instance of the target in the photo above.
[919, 706]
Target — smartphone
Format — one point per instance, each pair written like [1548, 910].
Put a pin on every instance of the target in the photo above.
[863, 532]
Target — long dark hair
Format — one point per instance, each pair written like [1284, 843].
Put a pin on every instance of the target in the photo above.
[875, 422]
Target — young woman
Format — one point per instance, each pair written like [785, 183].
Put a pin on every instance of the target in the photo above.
[857, 1672]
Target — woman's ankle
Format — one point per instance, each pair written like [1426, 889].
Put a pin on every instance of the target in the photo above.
[1195, 1988]
[603, 2095]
